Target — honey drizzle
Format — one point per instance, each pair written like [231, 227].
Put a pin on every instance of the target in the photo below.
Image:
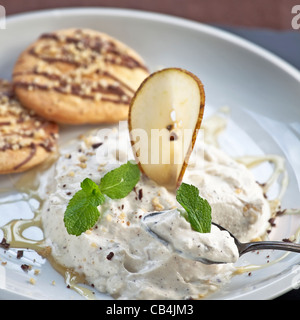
[13, 234]
[27, 187]
[279, 169]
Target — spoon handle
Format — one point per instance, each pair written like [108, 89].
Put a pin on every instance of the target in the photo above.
[274, 245]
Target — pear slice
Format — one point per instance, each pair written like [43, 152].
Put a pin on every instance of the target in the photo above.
[164, 117]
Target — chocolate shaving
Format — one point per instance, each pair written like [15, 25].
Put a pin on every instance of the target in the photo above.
[173, 136]
[4, 244]
[20, 254]
[140, 194]
[25, 267]
[272, 222]
[110, 256]
[170, 127]
[280, 212]
[97, 145]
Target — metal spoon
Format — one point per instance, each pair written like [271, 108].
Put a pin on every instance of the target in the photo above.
[242, 247]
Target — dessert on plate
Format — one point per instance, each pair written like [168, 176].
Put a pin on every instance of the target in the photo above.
[97, 199]
[117, 255]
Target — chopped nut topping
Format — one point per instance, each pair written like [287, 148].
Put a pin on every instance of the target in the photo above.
[89, 58]
[157, 205]
[19, 127]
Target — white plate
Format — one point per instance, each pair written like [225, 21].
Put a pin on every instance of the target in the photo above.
[262, 91]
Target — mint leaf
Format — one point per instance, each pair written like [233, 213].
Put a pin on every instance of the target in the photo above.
[82, 212]
[198, 210]
[117, 183]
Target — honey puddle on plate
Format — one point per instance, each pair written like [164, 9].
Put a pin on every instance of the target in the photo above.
[13, 231]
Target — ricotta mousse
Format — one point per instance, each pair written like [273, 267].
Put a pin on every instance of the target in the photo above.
[118, 256]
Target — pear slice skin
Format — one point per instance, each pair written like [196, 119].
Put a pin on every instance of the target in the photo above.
[164, 117]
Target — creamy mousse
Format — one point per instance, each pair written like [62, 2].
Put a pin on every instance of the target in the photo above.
[118, 256]
[216, 246]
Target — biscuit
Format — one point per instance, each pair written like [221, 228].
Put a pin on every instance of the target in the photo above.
[26, 139]
[78, 76]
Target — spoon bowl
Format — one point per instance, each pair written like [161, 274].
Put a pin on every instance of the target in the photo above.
[242, 247]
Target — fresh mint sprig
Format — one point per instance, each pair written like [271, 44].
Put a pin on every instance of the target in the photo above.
[117, 183]
[197, 209]
[82, 212]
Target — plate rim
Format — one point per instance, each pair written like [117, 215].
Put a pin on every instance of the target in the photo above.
[193, 24]
[283, 283]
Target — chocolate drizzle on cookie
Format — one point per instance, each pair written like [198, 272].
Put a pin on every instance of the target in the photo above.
[88, 59]
[22, 129]
[96, 45]
[30, 156]
[86, 90]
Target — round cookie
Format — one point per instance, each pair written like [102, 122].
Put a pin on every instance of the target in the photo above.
[78, 76]
[26, 139]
